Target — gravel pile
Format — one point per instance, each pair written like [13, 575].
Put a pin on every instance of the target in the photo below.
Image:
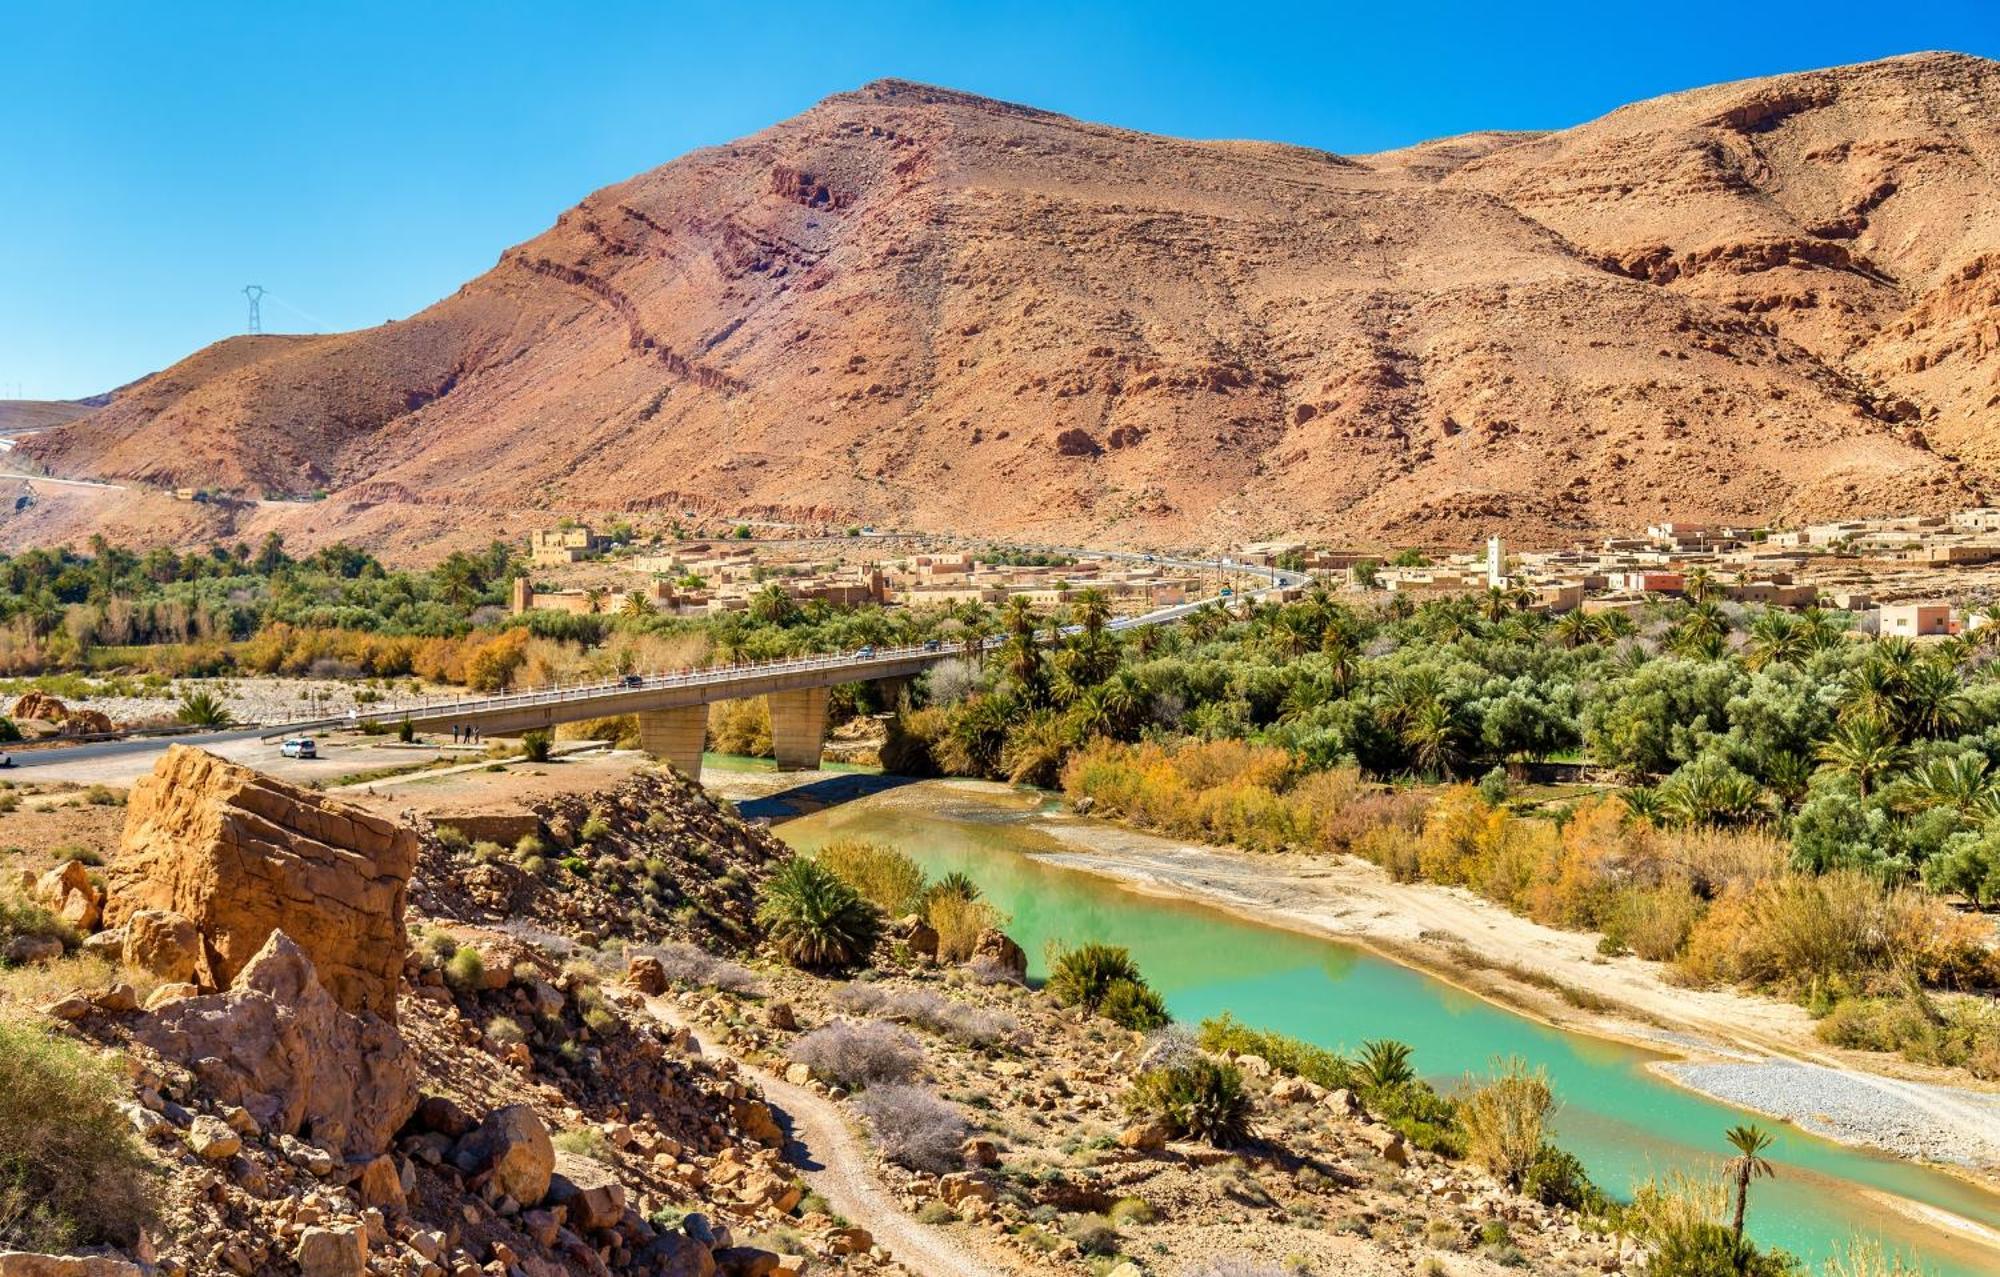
[1936, 1123]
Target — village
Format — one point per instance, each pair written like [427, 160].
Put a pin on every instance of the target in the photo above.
[1913, 576]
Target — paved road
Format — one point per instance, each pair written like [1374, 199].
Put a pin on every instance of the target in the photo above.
[647, 691]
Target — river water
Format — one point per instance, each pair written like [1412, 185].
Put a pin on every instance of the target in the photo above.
[1625, 1123]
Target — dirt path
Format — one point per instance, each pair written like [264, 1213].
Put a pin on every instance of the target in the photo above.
[833, 1161]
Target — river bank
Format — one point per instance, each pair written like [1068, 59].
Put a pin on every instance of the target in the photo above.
[1747, 1050]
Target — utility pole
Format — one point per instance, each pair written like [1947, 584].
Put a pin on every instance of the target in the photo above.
[255, 292]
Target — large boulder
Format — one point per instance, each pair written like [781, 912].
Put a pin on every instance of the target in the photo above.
[163, 942]
[996, 951]
[278, 1045]
[243, 855]
[514, 1145]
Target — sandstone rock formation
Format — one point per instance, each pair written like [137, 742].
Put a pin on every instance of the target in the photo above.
[242, 855]
[278, 1045]
[997, 950]
[918, 307]
[514, 1147]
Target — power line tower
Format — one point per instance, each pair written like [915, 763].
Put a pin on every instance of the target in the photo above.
[255, 292]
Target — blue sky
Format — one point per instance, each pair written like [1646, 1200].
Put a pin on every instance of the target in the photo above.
[361, 160]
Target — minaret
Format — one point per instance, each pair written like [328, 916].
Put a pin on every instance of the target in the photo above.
[1496, 574]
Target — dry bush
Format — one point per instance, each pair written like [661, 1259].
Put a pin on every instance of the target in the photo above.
[1323, 797]
[915, 1128]
[693, 967]
[1800, 931]
[1399, 811]
[947, 1017]
[71, 1172]
[1714, 860]
[958, 923]
[883, 876]
[857, 1055]
[1456, 829]
[1394, 848]
[1504, 1118]
[740, 727]
[1515, 858]
[1653, 922]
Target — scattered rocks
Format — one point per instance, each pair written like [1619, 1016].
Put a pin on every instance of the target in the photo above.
[277, 1045]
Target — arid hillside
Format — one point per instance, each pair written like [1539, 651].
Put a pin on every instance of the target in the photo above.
[913, 307]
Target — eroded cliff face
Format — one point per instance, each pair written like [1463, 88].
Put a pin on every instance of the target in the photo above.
[242, 855]
[916, 307]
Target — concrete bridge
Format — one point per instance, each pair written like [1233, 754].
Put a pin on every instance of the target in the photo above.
[672, 708]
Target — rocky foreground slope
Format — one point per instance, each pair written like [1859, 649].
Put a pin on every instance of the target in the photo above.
[1775, 298]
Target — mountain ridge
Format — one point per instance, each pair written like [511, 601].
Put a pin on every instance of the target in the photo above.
[912, 306]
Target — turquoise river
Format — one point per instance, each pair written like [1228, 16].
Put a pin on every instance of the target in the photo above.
[1623, 1121]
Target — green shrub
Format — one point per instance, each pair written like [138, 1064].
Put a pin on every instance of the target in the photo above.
[1557, 1178]
[1503, 1120]
[535, 746]
[465, 970]
[1200, 1098]
[585, 1141]
[21, 918]
[203, 709]
[814, 919]
[1084, 975]
[1329, 1069]
[594, 827]
[1130, 1004]
[71, 1173]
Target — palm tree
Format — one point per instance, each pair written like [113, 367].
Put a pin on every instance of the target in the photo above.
[1432, 735]
[1864, 748]
[1574, 628]
[636, 606]
[1964, 784]
[1777, 638]
[1092, 608]
[1748, 1164]
[203, 709]
[814, 919]
[1385, 1062]
[1934, 704]
[593, 598]
[1700, 586]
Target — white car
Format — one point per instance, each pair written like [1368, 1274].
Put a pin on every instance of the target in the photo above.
[299, 747]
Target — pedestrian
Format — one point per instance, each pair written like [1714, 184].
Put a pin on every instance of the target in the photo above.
[454, 733]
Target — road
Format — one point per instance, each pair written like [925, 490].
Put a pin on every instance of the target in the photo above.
[518, 711]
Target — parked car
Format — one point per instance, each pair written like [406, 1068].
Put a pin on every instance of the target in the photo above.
[299, 747]
[6, 759]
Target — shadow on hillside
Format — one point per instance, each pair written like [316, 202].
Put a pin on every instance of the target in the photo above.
[818, 795]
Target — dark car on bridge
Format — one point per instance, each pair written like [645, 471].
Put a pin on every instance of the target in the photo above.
[633, 680]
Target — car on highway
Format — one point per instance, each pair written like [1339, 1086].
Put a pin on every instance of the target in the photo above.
[865, 651]
[932, 645]
[299, 747]
[633, 680]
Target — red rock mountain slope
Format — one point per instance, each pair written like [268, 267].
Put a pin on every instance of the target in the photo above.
[919, 308]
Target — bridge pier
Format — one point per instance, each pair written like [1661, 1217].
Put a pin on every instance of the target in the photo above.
[798, 728]
[675, 736]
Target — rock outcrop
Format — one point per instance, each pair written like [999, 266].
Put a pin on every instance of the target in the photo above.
[242, 855]
[278, 1045]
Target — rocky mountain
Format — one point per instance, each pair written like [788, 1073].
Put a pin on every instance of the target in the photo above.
[915, 307]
